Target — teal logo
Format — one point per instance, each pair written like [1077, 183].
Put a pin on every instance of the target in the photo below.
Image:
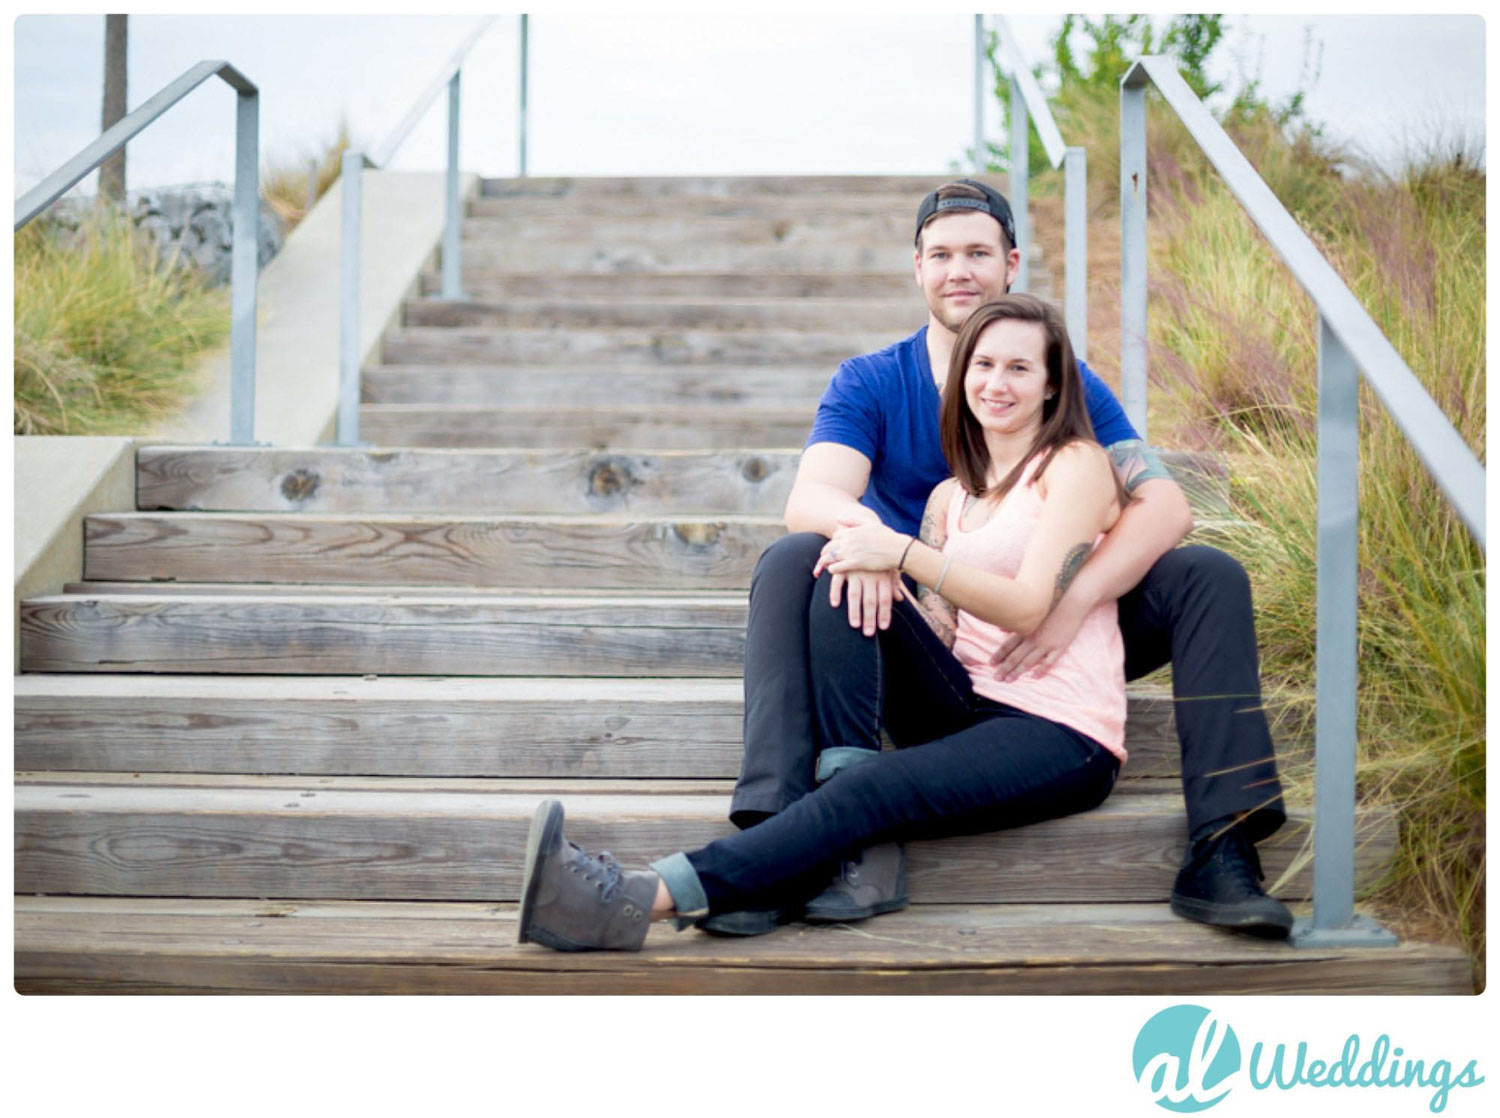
[1186, 1058]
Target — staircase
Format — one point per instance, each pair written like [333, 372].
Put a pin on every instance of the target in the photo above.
[288, 733]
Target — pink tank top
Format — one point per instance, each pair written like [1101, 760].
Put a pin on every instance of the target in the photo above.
[1085, 688]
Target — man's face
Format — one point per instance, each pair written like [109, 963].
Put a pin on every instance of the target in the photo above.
[961, 265]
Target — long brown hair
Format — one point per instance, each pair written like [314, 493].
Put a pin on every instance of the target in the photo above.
[1065, 416]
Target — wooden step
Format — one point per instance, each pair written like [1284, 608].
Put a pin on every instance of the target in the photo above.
[392, 482]
[626, 347]
[642, 254]
[556, 551]
[395, 838]
[498, 633]
[888, 231]
[537, 385]
[487, 279]
[508, 482]
[815, 188]
[704, 207]
[346, 726]
[105, 945]
[898, 317]
[619, 427]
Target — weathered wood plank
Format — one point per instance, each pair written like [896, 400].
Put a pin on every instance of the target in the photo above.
[502, 481]
[93, 945]
[262, 837]
[545, 386]
[641, 254]
[485, 280]
[334, 590]
[320, 479]
[624, 427]
[390, 635]
[604, 189]
[521, 207]
[399, 726]
[897, 316]
[561, 552]
[626, 347]
[665, 230]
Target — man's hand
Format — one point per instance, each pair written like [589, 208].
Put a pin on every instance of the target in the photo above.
[1038, 652]
[869, 594]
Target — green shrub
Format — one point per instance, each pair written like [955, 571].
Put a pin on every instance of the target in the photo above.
[105, 333]
[1233, 343]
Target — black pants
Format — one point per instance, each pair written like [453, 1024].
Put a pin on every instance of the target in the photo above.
[1193, 609]
[973, 765]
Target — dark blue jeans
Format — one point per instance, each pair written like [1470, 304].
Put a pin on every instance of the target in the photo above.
[1193, 609]
[967, 765]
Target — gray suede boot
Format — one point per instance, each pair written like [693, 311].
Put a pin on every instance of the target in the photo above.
[871, 882]
[571, 901]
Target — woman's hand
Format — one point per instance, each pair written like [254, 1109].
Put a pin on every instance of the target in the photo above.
[862, 547]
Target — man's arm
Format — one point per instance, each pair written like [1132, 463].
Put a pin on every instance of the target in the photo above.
[1153, 523]
[830, 480]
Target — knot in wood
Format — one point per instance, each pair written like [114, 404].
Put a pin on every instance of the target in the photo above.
[610, 476]
[754, 469]
[299, 485]
[698, 534]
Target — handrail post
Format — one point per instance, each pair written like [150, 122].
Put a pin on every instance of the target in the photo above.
[1333, 921]
[1020, 172]
[243, 268]
[1133, 251]
[1076, 248]
[525, 50]
[352, 175]
[452, 287]
[979, 91]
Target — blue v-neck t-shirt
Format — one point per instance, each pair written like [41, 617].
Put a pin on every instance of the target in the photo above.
[885, 405]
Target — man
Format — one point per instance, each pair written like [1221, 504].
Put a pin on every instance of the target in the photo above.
[874, 454]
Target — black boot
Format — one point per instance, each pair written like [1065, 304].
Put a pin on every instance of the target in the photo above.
[1219, 883]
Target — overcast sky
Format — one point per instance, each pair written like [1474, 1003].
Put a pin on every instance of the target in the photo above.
[636, 92]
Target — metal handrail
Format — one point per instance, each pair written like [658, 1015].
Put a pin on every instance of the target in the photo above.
[352, 174]
[1349, 344]
[246, 228]
[1029, 105]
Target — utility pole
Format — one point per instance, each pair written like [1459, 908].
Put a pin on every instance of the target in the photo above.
[112, 170]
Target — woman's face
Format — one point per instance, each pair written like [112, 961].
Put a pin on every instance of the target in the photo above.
[1006, 380]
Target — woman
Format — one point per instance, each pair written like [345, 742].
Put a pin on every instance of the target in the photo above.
[999, 543]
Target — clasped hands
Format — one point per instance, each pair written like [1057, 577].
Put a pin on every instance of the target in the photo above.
[862, 559]
[866, 557]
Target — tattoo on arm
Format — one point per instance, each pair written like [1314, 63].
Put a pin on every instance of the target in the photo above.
[1070, 564]
[935, 610]
[1136, 462]
[939, 616]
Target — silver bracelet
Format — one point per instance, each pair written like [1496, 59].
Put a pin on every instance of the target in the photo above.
[937, 587]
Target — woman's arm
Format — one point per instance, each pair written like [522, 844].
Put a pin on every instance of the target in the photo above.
[936, 610]
[1078, 502]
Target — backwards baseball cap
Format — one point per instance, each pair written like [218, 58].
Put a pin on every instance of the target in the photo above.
[993, 203]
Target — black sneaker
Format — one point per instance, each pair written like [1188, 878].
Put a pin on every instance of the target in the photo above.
[1219, 884]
